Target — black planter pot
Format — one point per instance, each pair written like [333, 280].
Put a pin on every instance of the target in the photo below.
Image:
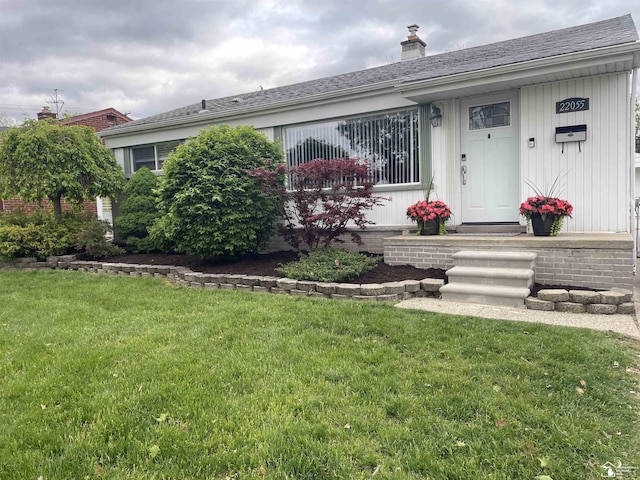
[430, 227]
[541, 224]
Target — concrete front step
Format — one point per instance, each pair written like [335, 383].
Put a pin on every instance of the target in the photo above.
[492, 258]
[485, 294]
[507, 277]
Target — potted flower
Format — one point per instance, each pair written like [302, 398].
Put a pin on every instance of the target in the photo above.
[545, 212]
[430, 215]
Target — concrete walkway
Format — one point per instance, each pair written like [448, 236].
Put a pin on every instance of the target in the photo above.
[625, 324]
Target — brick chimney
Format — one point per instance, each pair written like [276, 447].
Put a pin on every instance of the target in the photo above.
[46, 113]
[412, 47]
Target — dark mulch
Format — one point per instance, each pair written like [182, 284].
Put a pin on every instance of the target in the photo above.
[266, 264]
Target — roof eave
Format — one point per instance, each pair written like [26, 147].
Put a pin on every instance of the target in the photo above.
[432, 86]
[204, 118]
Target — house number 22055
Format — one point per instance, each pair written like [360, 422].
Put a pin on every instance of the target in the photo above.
[572, 105]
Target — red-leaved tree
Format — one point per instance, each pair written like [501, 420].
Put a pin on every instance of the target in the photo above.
[324, 198]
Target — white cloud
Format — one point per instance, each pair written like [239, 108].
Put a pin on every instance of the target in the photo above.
[150, 56]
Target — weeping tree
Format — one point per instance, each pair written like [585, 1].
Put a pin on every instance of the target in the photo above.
[45, 160]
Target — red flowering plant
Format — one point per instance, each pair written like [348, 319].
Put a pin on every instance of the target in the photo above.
[425, 211]
[545, 206]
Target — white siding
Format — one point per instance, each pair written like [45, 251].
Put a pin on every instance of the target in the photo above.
[445, 167]
[597, 171]
[394, 212]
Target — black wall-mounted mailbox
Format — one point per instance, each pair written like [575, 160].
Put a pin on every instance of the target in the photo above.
[573, 133]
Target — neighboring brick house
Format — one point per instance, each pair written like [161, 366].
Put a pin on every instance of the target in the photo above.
[109, 117]
[99, 120]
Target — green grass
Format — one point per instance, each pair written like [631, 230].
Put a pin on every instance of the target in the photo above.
[131, 378]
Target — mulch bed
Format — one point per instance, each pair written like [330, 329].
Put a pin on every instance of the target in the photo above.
[266, 264]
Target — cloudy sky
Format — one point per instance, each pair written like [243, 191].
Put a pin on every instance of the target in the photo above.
[147, 56]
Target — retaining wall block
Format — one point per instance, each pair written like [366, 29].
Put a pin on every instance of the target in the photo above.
[317, 295]
[628, 294]
[327, 288]
[612, 298]
[287, 283]
[218, 278]
[411, 285]
[571, 307]
[393, 297]
[251, 280]
[306, 285]
[269, 282]
[431, 284]
[584, 296]
[602, 309]
[393, 288]
[348, 289]
[372, 289]
[627, 308]
[235, 278]
[533, 303]
[554, 295]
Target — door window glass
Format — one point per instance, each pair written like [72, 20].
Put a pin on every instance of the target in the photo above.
[490, 116]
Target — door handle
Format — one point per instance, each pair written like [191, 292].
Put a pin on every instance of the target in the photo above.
[463, 171]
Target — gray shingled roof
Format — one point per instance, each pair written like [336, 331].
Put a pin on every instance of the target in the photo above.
[606, 33]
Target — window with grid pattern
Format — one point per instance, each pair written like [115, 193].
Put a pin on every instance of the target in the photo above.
[386, 143]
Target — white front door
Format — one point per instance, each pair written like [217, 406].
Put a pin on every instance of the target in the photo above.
[489, 162]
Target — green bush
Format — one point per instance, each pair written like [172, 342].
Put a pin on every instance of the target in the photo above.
[329, 265]
[138, 211]
[92, 239]
[210, 203]
[39, 235]
[35, 235]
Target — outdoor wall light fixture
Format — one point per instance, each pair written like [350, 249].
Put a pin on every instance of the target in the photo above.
[436, 116]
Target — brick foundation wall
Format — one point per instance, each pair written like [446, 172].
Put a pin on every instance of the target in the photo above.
[601, 261]
[15, 204]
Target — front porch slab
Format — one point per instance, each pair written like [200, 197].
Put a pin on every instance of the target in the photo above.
[589, 260]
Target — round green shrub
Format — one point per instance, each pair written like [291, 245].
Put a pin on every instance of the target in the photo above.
[210, 203]
[139, 210]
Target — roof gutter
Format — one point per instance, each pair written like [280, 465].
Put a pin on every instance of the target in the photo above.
[622, 52]
[207, 117]
[407, 89]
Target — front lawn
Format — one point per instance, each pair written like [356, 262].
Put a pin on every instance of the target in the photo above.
[132, 378]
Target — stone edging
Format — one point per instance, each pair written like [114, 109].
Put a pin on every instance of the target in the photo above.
[573, 301]
[392, 291]
[583, 301]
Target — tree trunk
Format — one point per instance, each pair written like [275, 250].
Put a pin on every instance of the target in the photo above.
[57, 208]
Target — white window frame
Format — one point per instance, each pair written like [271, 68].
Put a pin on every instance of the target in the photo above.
[291, 139]
[157, 160]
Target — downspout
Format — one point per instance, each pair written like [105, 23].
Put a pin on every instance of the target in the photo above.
[424, 144]
[632, 168]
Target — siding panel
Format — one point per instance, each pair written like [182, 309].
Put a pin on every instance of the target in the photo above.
[595, 173]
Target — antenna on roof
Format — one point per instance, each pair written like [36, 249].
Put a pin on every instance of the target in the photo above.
[56, 100]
